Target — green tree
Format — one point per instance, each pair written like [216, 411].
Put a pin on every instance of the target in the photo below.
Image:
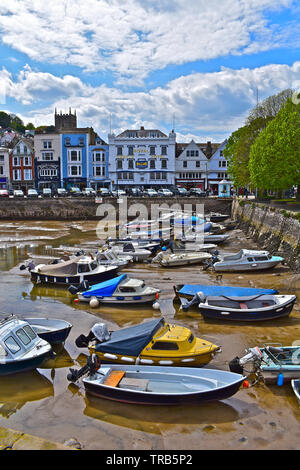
[274, 161]
[5, 119]
[30, 127]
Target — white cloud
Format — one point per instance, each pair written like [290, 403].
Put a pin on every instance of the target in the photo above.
[202, 104]
[131, 38]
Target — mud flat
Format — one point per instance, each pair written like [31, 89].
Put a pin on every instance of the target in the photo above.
[43, 403]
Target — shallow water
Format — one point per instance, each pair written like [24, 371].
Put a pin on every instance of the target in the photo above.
[44, 403]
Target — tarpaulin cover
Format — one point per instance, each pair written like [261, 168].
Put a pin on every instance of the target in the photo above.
[130, 341]
[231, 291]
[104, 289]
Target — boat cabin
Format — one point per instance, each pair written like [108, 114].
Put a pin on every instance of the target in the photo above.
[249, 255]
[17, 338]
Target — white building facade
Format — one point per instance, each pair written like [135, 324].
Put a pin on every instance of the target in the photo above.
[4, 168]
[142, 159]
[217, 168]
[191, 166]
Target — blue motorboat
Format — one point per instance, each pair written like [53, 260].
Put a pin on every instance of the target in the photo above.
[120, 290]
[190, 290]
[21, 349]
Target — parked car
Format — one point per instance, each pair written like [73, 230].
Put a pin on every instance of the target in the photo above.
[134, 192]
[61, 192]
[4, 193]
[18, 193]
[104, 192]
[165, 192]
[150, 192]
[32, 193]
[180, 192]
[47, 192]
[75, 192]
[196, 192]
[89, 192]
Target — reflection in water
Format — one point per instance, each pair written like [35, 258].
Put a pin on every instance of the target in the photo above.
[17, 390]
[154, 419]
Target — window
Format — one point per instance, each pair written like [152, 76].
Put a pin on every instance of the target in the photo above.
[27, 175]
[83, 268]
[152, 150]
[130, 164]
[196, 153]
[29, 331]
[261, 258]
[119, 151]
[119, 164]
[47, 144]
[164, 176]
[1, 158]
[185, 164]
[12, 345]
[16, 175]
[23, 336]
[187, 153]
[152, 176]
[47, 156]
[16, 161]
[165, 346]
[25, 149]
[67, 141]
[48, 172]
[164, 150]
[164, 164]
[192, 153]
[152, 164]
[97, 171]
[197, 164]
[27, 161]
[75, 170]
[97, 157]
[221, 153]
[1, 170]
[75, 156]
[81, 141]
[18, 149]
[191, 338]
[130, 150]
[224, 163]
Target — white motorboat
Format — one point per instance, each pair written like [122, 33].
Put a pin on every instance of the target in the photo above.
[108, 257]
[138, 254]
[20, 347]
[181, 259]
[121, 290]
[246, 260]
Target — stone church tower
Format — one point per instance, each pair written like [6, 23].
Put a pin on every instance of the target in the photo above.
[65, 121]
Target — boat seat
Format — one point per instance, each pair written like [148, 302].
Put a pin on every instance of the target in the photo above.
[114, 378]
[243, 305]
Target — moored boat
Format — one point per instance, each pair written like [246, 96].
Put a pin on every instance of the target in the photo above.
[296, 388]
[53, 330]
[246, 260]
[20, 347]
[273, 363]
[259, 307]
[190, 290]
[73, 272]
[151, 343]
[155, 385]
[121, 290]
[181, 259]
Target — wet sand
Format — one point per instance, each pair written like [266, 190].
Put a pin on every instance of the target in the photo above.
[44, 403]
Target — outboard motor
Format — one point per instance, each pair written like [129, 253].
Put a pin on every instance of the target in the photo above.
[83, 341]
[92, 365]
[253, 356]
[82, 287]
[199, 298]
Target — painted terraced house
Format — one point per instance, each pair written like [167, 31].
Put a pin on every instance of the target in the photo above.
[4, 168]
[47, 148]
[142, 158]
[98, 174]
[200, 165]
[21, 164]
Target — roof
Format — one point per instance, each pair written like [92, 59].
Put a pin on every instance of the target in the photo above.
[204, 147]
[141, 133]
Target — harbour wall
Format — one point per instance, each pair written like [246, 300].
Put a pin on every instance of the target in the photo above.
[273, 229]
[88, 209]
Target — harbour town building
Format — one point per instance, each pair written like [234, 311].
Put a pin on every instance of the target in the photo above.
[142, 158]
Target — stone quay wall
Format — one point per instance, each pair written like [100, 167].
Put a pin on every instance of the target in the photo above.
[86, 208]
[274, 229]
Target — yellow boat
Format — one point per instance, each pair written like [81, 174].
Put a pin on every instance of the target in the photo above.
[153, 343]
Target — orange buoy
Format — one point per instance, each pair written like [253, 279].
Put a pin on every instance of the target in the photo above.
[157, 295]
[76, 300]
[246, 384]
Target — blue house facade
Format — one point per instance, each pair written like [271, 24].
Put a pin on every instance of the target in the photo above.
[98, 173]
[74, 157]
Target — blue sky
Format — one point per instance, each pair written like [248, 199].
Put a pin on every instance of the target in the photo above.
[196, 64]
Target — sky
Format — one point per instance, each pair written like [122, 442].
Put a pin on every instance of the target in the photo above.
[194, 66]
